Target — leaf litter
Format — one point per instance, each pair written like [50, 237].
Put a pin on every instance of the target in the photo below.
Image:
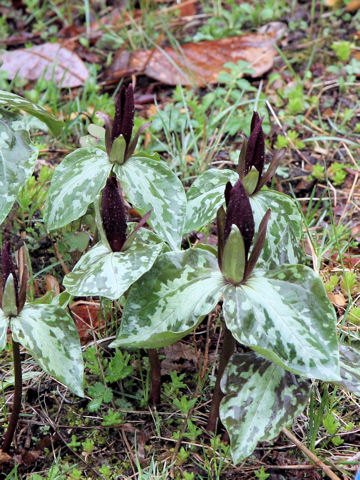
[279, 465]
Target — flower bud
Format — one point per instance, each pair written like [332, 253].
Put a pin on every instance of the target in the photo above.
[113, 215]
[124, 114]
[255, 150]
[239, 213]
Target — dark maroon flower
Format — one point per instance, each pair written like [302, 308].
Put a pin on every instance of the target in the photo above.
[239, 213]
[113, 215]
[255, 150]
[124, 114]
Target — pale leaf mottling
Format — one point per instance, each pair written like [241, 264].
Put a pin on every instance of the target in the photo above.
[101, 272]
[149, 184]
[49, 334]
[75, 184]
[260, 399]
[170, 300]
[284, 314]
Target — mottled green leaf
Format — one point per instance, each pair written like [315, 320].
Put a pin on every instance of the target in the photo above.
[4, 322]
[205, 196]
[49, 334]
[285, 315]
[350, 368]
[8, 99]
[260, 399]
[17, 159]
[284, 230]
[101, 272]
[170, 300]
[75, 184]
[149, 184]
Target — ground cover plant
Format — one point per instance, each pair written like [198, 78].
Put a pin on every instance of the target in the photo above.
[209, 261]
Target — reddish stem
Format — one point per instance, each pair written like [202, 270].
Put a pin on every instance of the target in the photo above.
[228, 347]
[17, 399]
[155, 377]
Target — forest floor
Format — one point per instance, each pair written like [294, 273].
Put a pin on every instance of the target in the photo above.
[306, 88]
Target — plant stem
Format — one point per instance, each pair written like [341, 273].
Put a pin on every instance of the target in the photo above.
[228, 347]
[155, 376]
[17, 398]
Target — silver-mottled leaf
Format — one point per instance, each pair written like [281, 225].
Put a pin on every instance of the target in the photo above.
[101, 272]
[17, 159]
[205, 196]
[170, 300]
[285, 315]
[8, 99]
[260, 399]
[149, 184]
[350, 368]
[49, 334]
[75, 184]
[284, 230]
[4, 322]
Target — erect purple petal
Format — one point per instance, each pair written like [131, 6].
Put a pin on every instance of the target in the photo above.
[8, 268]
[113, 215]
[124, 114]
[227, 193]
[6, 262]
[108, 130]
[255, 151]
[258, 245]
[239, 213]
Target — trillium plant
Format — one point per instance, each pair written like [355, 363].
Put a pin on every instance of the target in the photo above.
[147, 182]
[114, 264]
[279, 326]
[46, 331]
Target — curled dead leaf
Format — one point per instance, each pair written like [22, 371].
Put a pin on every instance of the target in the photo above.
[353, 6]
[52, 284]
[87, 319]
[195, 63]
[337, 299]
[5, 458]
[50, 60]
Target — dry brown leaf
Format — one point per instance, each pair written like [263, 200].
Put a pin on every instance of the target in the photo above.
[52, 284]
[87, 319]
[337, 299]
[196, 63]
[50, 60]
[333, 3]
[353, 6]
[179, 356]
[187, 8]
[5, 458]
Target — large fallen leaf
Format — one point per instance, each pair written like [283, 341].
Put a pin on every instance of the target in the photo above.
[50, 60]
[196, 63]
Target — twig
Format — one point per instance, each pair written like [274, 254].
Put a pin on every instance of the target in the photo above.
[327, 470]
[61, 260]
